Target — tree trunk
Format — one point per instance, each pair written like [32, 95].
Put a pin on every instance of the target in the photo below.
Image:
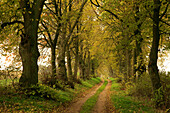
[28, 50]
[88, 65]
[76, 59]
[153, 69]
[134, 63]
[61, 61]
[69, 67]
[110, 71]
[53, 58]
[137, 61]
[127, 64]
[28, 47]
[82, 68]
[93, 69]
[82, 63]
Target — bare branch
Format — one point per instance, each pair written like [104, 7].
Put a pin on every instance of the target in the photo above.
[11, 23]
[77, 20]
[165, 22]
[47, 30]
[98, 5]
[164, 12]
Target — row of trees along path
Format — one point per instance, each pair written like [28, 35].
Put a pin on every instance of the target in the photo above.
[132, 31]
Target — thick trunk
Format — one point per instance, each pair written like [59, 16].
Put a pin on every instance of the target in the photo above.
[28, 50]
[153, 69]
[110, 71]
[62, 42]
[82, 68]
[28, 47]
[76, 59]
[82, 63]
[137, 61]
[69, 68]
[61, 63]
[141, 68]
[121, 65]
[93, 69]
[127, 64]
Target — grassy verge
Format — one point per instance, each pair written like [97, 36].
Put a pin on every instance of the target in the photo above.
[90, 103]
[127, 104]
[16, 101]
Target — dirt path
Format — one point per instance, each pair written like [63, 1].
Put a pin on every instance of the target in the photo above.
[76, 105]
[104, 104]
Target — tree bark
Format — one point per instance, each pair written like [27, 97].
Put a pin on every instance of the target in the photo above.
[127, 64]
[53, 63]
[82, 63]
[28, 47]
[110, 71]
[93, 69]
[138, 67]
[29, 55]
[134, 63]
[62, 74]
[88, 65]
[76, 59]
[153, 69]
[69, 67]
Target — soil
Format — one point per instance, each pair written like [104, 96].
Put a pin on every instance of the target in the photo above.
[104, 104]
[75, 106]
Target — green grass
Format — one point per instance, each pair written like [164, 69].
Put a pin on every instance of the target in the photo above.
[16, 101]
[127, 104]
[90, 83]
[90, 103]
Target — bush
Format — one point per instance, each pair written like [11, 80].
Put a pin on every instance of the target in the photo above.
[142, 87]
[44, 73]
[165, 81]
[47, 92]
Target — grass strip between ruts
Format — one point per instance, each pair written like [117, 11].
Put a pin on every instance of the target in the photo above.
[90, 103]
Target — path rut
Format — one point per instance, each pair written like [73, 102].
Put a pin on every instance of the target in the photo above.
[76, 106]
[104, 104]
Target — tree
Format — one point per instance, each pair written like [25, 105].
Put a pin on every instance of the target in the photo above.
[153, 57]
[28, 48]
[63, 42]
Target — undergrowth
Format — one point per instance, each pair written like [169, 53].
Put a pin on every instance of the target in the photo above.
[124, 103]
[43, 99]
[142, 89]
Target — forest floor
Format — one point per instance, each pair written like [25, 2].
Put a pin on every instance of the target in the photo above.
[92, 96]
[111, 100]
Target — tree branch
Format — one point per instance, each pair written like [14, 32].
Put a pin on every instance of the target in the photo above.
[47, 30]
[165, 22]
[98, 5]
[77, 20]
[11, 23]
[164, 12]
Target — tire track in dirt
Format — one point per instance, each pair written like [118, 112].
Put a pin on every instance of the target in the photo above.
[104, 104]
[75, 106]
